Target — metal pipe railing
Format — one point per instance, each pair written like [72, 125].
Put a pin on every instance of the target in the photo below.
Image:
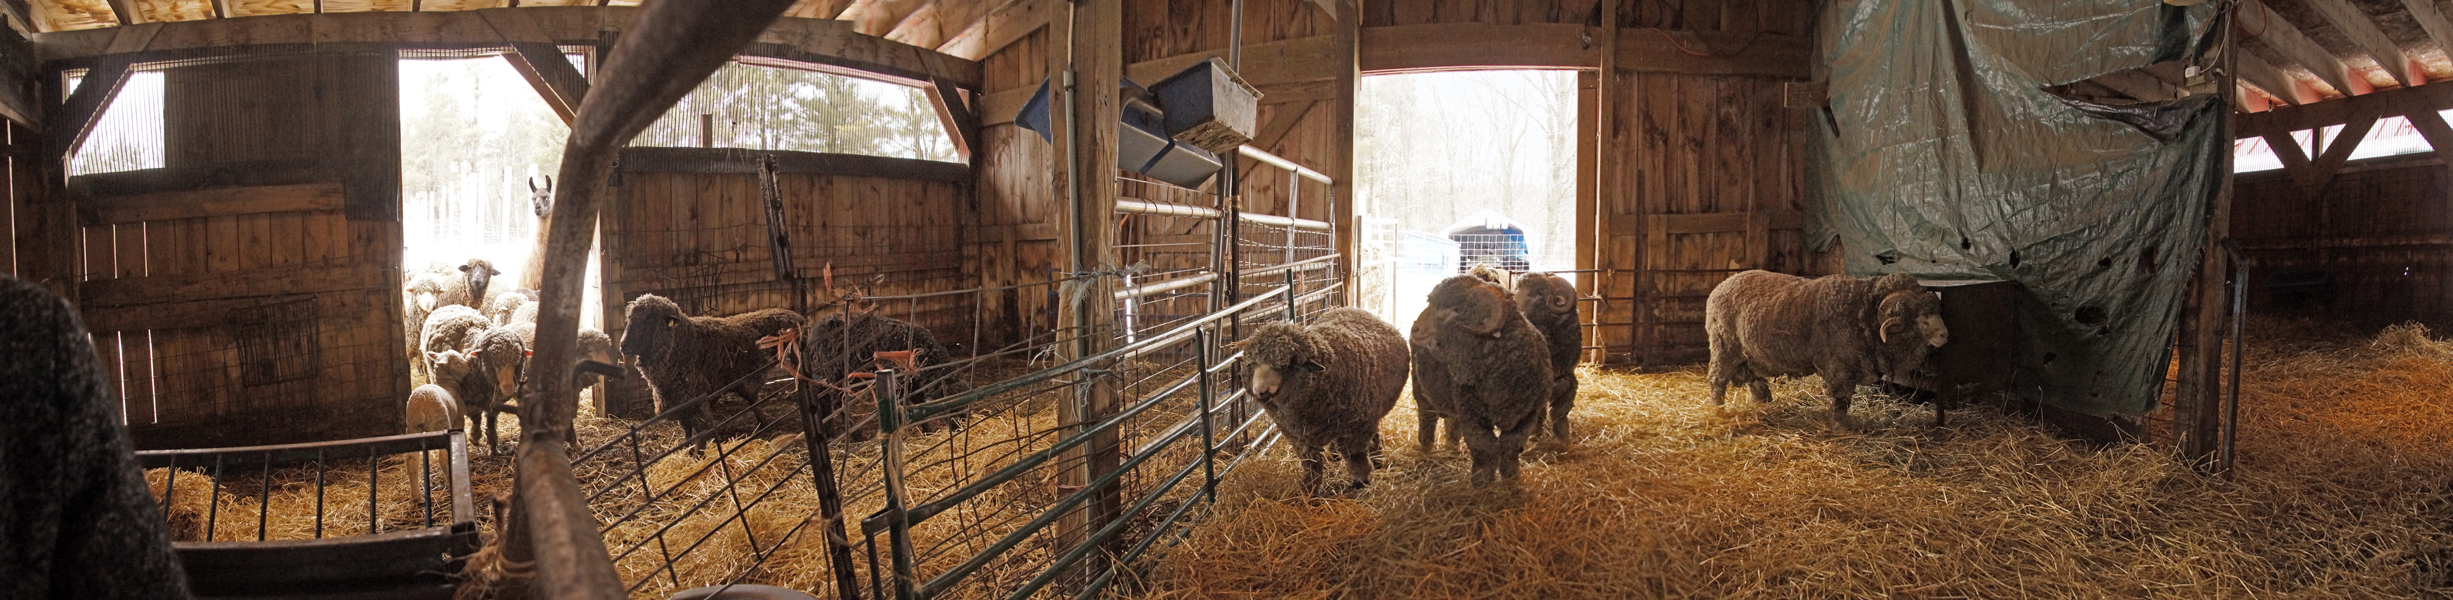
[1142, 291]
[1257, 154]
[1278, 221]
[1124, 205]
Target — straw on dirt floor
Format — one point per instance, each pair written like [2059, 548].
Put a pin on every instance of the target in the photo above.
[2346, 469]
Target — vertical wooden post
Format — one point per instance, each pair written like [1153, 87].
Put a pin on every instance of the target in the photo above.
[1593, 218]
[1588, 201]
[1087, 47]
[2199, 397]
[1347, 43]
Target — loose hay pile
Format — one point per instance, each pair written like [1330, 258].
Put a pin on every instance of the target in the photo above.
[2346, 489]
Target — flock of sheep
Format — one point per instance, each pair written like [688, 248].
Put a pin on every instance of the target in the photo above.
[1496, 362]
[1493, 360]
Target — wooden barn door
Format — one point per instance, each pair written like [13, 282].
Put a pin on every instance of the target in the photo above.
[246, 292]
[1703, 182]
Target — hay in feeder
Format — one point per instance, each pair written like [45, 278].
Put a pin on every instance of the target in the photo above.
[2346, 470]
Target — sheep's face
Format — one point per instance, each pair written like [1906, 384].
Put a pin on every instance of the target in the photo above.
[480, 273]
[1546, 297]
[1911, 327]
[1282, 361]
[651, 324]
[451, 365]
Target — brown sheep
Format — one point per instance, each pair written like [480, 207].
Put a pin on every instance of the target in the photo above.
[685, 357]
[1479, 365]
[1327, 384]
[1848, 330]
[1549, 302]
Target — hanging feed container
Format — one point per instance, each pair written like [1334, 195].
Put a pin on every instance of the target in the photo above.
[1209, 106]
[1140, 136]
[1184, 165]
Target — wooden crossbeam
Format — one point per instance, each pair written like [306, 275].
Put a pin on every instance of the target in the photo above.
[2362, 31]
[1002, 27]
[2389, 103]
[78, 113]
[2280, 35]
[2339, 151]
[954, 112]
[125, 11]
[2431, 126]
[934, 25]
[541, 62]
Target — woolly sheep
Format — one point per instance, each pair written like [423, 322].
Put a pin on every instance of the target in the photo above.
[1327, 384]
[450, 328]
[842, 343]
[79, 518]
[685, 357]
[1848, 330]
[1479, 365]
[515, 306]
[432, 408]
[484, 377]
[1549, 303]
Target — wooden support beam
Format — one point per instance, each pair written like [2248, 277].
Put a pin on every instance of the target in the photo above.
[126, 12]
[1349, 78]
[1002, 27]
[2432, 21]
[23, 16]
[2389, 103]
[940, 21]
[214, 202]
[2321, 171]
[1770, 55]
[648, 159]
[876, 17]
[1455, 46]
[2432, 127]
[551, 74]
[19, 81]
[832, 43]
[78, 113]
[1462, 46]
[954, 113]
[2284, 38]
[2362, 31]
[171, 289]
[2295, 159]
[2266, 78]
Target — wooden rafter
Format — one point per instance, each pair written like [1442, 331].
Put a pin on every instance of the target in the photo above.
[956, 114]
[818, 9]
[2265, 77]
[2432, 127]
[539, 61]
[125, 11]
[78, 112]
[2284, 38]
[1002, 27]
[2362, 31]
[2431, 20]
[940, 21]
[923, 17]
[876, 17]
[2313, 115]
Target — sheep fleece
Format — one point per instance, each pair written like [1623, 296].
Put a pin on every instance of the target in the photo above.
[684, 357]
[1363, 364]
[1492, 384]
[1763, 324]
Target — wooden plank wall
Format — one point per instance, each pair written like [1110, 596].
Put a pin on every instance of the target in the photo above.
[245, 292]
[1013, 242]
[700, 239]
[2383, 231]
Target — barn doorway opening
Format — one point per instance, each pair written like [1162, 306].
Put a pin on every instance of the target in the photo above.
[1455, 169]
[475, 137]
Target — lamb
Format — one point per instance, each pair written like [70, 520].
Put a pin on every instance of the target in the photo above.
[432, 408]
[1848, 330]
[1328, 384]
[1482, 367]
[1549, 303]
[838, 345]
[685, 357]
[484, 377]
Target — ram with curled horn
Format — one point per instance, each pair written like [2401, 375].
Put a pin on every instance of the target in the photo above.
[1848, 330]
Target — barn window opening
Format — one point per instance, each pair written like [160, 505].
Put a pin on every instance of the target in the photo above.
[2390, 136]
[128, 134]
[475, 136]
[1463, 168]
[762, 107]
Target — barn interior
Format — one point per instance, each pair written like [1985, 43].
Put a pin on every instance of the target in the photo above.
[2177, 368]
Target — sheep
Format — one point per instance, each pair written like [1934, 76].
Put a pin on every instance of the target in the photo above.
[1328, 384]
[484, 377]
[1549, 303]
[685, 357]
[437, 286]
[432, 408]
[81, 522]
[449, 328]
[595, 345]
[1491, 275]
[1482, 367]
[515, 306]
[1848, 330]
[836, 346]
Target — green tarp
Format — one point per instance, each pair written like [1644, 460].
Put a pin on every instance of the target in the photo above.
[1942, 155]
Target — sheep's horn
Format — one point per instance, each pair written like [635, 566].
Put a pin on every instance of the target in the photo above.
[1498, 316]
[1886, 328]
[1561, 303]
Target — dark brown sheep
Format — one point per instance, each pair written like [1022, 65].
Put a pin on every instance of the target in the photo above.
[686, 357]
[1549, 303]
[1481, 366]
[843, 343]
[1848, 330]
[1327, 384]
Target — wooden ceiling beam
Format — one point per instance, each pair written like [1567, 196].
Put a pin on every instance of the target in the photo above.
[876, 17]
[2362, 31]
[2284, 38]
[127, 14]
[2388, 103]
[940, 21]
[18, 12]
[2432, 21]
[2255, 72]
[1002, 27]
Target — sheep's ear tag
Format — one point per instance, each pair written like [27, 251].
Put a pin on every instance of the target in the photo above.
[528, 353]
[1313, 366]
